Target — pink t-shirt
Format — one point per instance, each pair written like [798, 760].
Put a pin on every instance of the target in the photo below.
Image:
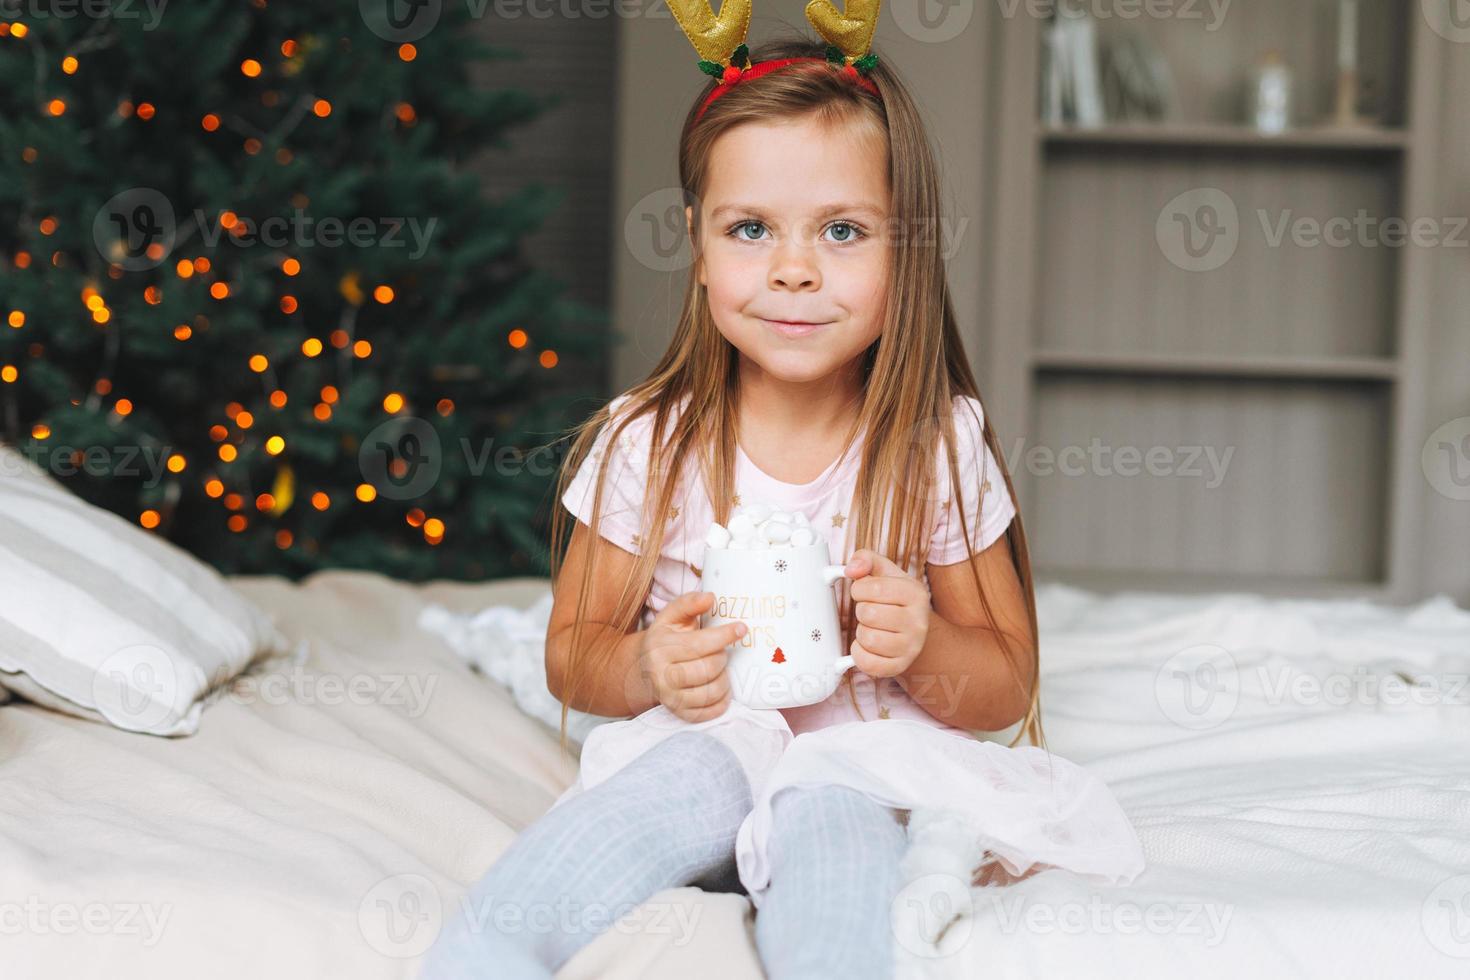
[826, 501]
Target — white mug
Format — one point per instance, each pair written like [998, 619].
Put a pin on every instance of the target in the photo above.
[792, 653]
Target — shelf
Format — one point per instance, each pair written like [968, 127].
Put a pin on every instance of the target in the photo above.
[1185, 408]
[1219, 136]
[1188, 365]
[1107, 581]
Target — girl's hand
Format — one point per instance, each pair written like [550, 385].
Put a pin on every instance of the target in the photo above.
[892, 610]
[686, 662]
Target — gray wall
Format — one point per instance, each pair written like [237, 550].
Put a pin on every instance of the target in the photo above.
[1445, 533]
[568, 147]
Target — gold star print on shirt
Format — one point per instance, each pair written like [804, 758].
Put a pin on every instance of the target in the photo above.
[838, 519]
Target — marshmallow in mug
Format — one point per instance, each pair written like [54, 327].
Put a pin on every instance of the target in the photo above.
[759, 525]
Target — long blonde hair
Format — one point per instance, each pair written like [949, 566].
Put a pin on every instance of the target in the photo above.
[909, 384]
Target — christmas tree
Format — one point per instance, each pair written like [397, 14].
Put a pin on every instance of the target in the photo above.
[252, 299]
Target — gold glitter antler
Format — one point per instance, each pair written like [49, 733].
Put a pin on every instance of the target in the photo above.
[720, 41]
[851, 31]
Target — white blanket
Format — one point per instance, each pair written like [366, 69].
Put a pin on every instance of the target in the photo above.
[293, 835]
[1294, 768]
[1304, 811]
[324, 822]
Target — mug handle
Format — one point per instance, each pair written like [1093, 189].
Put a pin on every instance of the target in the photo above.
[844, 663]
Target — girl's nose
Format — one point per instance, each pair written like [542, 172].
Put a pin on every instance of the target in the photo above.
[794, 269]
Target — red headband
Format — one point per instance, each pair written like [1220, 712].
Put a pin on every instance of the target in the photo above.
[733, 75]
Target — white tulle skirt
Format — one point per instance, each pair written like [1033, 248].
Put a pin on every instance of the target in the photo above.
[1030, 808]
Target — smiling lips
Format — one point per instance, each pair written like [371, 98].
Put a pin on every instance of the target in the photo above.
[794, 328]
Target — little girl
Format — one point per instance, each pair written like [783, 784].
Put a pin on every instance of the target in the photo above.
[817, 367]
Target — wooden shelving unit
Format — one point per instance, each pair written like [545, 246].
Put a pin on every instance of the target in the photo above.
[1227, 136]
[1186, 365]
[1296, 362]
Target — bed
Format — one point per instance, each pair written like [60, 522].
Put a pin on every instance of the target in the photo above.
[327, 816]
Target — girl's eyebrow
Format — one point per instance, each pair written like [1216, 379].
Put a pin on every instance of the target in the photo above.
[831, 209]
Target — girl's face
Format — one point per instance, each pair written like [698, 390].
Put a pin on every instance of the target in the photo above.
[794, 222]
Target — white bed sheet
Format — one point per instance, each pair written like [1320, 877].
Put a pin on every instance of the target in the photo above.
[1291, 836]
[321, 827]
[1312, 820]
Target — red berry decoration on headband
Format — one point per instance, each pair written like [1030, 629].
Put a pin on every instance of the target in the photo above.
[859, 68]
[739, 61]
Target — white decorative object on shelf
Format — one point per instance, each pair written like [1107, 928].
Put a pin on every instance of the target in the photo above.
[1271, 94]
[1072, 82]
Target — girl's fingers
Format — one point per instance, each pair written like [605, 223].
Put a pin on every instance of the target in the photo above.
[880, 615]
[715, 638]
[703, 696]
[685, 674]
[696, 716]
[879, 643]
[684, 609]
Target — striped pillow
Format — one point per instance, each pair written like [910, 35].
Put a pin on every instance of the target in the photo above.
[101, 619]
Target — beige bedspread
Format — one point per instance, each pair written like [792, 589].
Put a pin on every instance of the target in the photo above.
[324, 822]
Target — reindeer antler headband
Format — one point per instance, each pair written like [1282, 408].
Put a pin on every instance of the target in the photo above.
[720, 41]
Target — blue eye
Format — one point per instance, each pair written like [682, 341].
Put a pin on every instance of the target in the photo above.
[734, 232]
[847, 231]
